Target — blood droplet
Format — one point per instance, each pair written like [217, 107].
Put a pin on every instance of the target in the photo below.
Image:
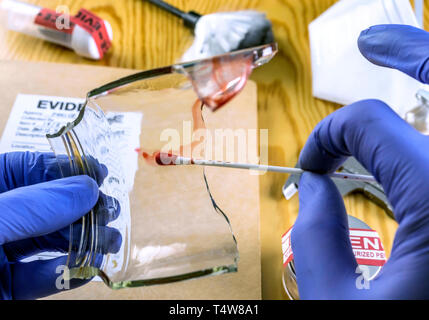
[165, 159]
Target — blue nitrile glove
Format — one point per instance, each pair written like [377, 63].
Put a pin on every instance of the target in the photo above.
[36, 209]
[397, 155]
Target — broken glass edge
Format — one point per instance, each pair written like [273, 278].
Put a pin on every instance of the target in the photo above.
[69, 126]
[90, 272]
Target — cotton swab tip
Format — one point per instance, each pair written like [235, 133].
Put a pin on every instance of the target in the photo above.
[166, 159]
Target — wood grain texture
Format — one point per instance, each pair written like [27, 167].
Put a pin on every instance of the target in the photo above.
[146, 37]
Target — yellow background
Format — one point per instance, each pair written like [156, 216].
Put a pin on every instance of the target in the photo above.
[146, 37]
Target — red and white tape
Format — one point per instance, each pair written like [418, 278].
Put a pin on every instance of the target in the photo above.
[88, 21]
[366, 245]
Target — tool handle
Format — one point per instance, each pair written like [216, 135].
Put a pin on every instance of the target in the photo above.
[167, 7]
[293, 171]
[190, 18]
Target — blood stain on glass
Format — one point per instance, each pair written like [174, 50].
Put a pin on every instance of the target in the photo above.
[167, 158]
[216, 84]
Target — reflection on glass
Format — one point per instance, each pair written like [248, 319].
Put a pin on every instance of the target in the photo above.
[419, 116]
[168, 227]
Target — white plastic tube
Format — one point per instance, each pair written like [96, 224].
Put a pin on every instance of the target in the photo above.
[20, 17]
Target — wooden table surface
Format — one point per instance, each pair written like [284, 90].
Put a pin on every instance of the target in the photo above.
[146, 37]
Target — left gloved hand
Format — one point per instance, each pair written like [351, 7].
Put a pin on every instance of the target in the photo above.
[36, 209]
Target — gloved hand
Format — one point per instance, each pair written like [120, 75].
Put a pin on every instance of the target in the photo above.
[398, 157]
[36, 209]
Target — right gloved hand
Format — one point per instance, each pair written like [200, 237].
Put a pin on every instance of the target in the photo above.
[398, 157]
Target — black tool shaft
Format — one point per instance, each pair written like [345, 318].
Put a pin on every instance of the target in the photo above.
[190, 18]
[167, 7]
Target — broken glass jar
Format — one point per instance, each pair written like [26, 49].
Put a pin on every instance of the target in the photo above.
[160, 224]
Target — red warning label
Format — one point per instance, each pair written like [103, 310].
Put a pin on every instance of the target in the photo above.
[366, 245]
[95, 27]
[287, 248]
[53, 20]
[93, 24]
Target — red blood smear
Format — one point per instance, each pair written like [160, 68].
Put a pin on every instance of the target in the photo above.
[228, 84]
[228, 91]
[150, 159]
[228, 79]
[159, 158]
[165, 159]
[215, 102]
